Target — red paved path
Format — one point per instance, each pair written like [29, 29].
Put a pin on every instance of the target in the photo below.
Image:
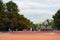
[30, 36]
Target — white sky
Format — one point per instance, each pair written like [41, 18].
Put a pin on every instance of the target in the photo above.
[37, 10]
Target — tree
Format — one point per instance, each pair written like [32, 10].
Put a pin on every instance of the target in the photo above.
[12, 10]
[1, 14]
[12, 7]
[16, 20]
[11, 19]
[3, 17]
[51, 23]
[56, 18]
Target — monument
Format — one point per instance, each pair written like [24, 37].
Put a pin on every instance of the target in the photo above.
[46, 24]
[46, 27]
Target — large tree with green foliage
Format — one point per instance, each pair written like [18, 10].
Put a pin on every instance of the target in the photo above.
[16, 20]
[56, 18]
[11, 19]
[3, 17]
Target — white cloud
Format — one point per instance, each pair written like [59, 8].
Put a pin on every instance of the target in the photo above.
[52, 0]
[26, 5]
[36, 11]
[34, 4]
[39, 7]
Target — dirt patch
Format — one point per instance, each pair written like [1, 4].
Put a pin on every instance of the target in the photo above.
[30, 36]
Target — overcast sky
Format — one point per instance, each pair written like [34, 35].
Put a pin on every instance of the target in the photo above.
[37, 10]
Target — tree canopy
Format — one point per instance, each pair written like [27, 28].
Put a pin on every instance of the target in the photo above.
[56, 18]
[11, 19]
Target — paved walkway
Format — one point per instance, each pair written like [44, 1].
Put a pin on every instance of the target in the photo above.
[30, 36]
